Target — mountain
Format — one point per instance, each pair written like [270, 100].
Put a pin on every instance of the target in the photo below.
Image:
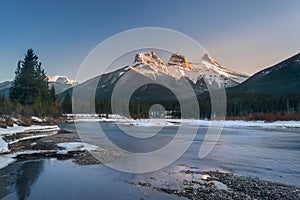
[4, 88]
[149, 64]
[61, 83]
[271, 94]
[280, 79]
[274, 90]
[175, 74]
[61, 79]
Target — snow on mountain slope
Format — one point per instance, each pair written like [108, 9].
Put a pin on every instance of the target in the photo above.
[4, 88]
[61, 79]
[149, 64]
[279, 79]
[5, 85]
[178, 74]
[60, 83]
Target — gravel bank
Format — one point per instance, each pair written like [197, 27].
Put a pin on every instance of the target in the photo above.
[219, 185]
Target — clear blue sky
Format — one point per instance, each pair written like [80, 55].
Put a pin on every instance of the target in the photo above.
[242, 35]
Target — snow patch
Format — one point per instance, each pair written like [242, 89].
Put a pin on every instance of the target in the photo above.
[216, 123]
[22, 129]
[219, 185]
[36, 119]
[61, 79]
[151, 123]
[30, 152]
[31, 137]
[84, 116]
[191, 122]
[205, 177]
[3, 146]
[75, 146]
[5, 160]
[240, 123]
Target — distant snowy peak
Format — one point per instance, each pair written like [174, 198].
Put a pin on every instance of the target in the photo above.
[61, 83]
[5, 85]
[178, 66]
[61, 79]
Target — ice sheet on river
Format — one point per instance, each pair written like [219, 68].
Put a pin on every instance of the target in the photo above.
[7, 159]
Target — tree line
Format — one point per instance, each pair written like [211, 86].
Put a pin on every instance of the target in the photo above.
[255, 106]
[239, 105]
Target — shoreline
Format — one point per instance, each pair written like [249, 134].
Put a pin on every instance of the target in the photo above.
[9, 121]
[187, 122]
[57, 143]
[220, 185]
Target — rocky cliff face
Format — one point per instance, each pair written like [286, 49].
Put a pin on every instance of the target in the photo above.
[179, 60]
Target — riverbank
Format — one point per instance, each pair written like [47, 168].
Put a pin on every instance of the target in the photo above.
[26, 138]
[231, 123]
[9, 121]
[219, 185]
[57, 143]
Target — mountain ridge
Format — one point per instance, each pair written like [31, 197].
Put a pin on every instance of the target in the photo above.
[178, 66]
[280, 79]
[60, 83]
[175, 74]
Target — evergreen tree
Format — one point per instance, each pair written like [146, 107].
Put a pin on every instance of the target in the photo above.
[30, 83]
[2, 104]
[67, 104]
[52, 96]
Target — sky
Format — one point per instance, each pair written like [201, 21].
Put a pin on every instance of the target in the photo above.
[245, 36]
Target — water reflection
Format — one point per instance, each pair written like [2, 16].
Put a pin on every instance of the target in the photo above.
[63, 179]
[20, 177]
[28, 175]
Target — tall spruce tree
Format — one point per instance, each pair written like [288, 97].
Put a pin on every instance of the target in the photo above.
[30, 83]
[52, 95]
[67, 104]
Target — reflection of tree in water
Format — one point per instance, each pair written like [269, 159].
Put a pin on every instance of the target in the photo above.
[27, 175]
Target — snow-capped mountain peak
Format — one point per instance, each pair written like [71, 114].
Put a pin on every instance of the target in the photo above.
[180, 60]
[148, 58]
[207, 58]
[212, 64]
[178, 66]
[61, 79]
[61, 83]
